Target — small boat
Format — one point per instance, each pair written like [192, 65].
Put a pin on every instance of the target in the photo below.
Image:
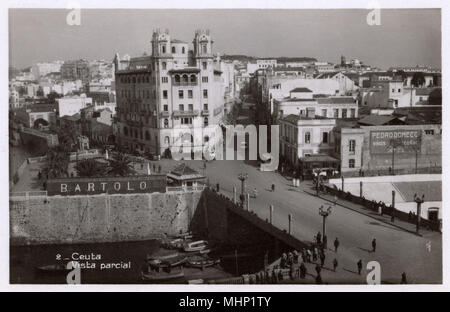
[161, 276]
[168, 263]
[196, 246]
[202, 262]
[163, 255]
[53, 268]
[187, 235]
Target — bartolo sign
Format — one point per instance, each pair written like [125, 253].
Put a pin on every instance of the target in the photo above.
[404, 141]
[107, 185]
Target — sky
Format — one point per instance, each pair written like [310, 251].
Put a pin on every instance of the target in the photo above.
[405, 37]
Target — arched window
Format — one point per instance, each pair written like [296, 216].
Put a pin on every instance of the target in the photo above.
[173, 50]
[177, 78]
[166, 123]
[185, 78]
[307, 137]
[193, 78]
[183, 50]
[167, 140]
[206, 121]
[147, 136]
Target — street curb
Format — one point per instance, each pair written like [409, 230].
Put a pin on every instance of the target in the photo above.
[365, 214]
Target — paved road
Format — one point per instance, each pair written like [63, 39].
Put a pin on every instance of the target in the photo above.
[397, 251]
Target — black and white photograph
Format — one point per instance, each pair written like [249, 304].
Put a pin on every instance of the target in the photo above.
[246, 146]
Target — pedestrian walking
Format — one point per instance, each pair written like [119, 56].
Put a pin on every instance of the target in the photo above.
[319, 238]
[359, 264]
[322, 259]
[336, 244]
[318, 269]
[404, 281]
[217, 187]
[335, 264]
[325, 241]
[318, 279]
[374, 245]
[273, 187]
[303, 270]
[314, 254]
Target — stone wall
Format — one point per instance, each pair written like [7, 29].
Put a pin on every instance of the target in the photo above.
[100, 218]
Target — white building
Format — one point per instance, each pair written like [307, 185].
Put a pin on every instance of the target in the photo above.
[68, 106]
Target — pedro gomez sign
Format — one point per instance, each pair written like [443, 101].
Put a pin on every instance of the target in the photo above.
[405, 141]
[107, 185]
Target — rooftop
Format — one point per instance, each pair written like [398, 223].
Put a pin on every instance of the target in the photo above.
[337, 100]
[295, 118]
[431, 189]
[379, 120]
[301, 90]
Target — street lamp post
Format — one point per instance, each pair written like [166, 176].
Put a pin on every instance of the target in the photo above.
[242, 177]
[419, 201]
[324, 213]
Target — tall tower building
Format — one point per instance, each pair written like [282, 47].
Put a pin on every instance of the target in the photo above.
[170, 88]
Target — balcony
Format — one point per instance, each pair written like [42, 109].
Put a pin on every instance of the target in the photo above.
[188, 113]
[205, 112]
[184, 83]
[165, 114]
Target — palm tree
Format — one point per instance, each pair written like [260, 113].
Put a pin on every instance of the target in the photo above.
[90, 168]
[120, 165]
[57, 163]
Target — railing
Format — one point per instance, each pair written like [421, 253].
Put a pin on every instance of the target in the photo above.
[205, 112]
[27, 194]
[165, 114]
[187, 113]
[200, 187]
[184, 84]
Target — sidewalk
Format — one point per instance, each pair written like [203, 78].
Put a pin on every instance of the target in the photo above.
[406, 226]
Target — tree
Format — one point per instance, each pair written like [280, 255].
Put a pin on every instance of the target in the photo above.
[68, 137]
[418, 79]
[52, 96]
[120, 165]
[57, 163]
[90, 168]
[435, 97]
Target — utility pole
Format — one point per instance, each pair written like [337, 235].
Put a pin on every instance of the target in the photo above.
[393, 207]
[419, 201]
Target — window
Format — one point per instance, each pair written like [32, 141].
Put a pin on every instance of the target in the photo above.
[336, 113]
[206, 122]
[344, 113]
[177, 78]
[186, 121]
[352, 113]
[351, 146]
[180, 94]
[191, 107]
[166, 123]
[173, 50]
[166, 108]
[183, 50]
[181, 107]
[429, 132]
[193, 78]
[164, 94]
[307, 137]
[205, 94]
[163, 49]
[205, 79]
[164, 65]
[204, 65]
[147, 136]
[325, 137]
[351, 163]
[393, 90]
[205, 106]
[204, 49]
[190, 94]
[399, 90]
[165, 79]
[324, 113]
